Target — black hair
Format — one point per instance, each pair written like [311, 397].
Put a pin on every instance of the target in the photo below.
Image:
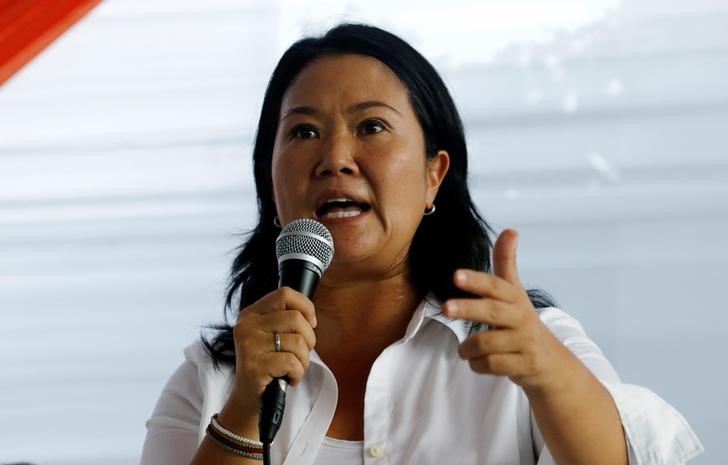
[456, 236]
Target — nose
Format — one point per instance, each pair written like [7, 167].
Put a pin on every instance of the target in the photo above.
[337, 157]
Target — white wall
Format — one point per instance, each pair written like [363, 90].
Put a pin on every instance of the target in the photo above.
[597, 128]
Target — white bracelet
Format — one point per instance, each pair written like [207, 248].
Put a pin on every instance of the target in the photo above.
[232, 436]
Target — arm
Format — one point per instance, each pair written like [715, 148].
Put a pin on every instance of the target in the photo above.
[577, 417]
[173, 430]
[583, 412]
[210, 453]
[575, 413]
[655, 432]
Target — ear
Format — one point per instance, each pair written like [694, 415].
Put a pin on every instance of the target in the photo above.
[437, 167]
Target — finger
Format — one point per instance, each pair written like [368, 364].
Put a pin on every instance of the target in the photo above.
[283, 365]
[290, 343]
[288, 321]
[490, 311]
[484, 284]
[293, 342]
[488, 343]
[497, 364]
[504, 257]
[283, 299]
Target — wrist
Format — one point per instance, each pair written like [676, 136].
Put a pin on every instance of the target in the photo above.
[556, 378]
[234, 443]
[239, 419]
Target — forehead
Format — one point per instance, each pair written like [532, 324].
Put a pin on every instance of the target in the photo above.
[346, 78]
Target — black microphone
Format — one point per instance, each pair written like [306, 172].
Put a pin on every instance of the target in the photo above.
[305, 249]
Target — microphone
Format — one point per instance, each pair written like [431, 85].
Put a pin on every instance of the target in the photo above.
[304, 249]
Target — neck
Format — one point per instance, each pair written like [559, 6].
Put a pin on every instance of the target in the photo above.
[357, 321]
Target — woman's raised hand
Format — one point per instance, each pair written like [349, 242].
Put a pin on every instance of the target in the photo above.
[292, 316]
[518, 344]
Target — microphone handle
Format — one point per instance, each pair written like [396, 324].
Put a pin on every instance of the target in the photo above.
[273, 403]
[299, 275]
[303, 276]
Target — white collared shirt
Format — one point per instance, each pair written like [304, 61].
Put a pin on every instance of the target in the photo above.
[423, 406]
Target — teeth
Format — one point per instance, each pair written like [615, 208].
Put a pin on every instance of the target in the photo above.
[342, 214]
[341, 207]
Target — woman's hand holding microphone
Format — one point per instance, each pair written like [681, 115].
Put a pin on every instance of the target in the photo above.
[283, 312]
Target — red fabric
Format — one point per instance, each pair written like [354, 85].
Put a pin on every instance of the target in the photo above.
[29, 26]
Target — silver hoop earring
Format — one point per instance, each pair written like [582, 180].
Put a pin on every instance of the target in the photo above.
[431, 210]
[277, 222]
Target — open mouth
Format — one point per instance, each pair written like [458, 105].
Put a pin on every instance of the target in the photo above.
[342, 208]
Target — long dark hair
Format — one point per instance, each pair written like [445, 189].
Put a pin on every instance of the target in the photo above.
[456, 236]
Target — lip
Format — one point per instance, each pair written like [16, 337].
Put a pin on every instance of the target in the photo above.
[337, 194]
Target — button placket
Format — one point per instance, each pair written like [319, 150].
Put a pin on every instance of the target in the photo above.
[377, 404]
[376, 451]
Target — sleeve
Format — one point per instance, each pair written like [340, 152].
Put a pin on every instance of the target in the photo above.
[172, 430]
[655, 432]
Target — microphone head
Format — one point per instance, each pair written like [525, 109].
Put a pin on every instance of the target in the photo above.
[308, 240]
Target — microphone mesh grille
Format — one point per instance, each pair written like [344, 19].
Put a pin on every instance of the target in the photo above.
[297, 238]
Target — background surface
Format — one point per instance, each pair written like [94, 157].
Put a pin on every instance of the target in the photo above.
[599, 129]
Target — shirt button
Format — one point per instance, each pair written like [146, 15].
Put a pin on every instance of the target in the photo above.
[376, 451]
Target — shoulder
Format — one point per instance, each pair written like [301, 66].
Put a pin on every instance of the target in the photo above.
[196, 354]
[188, 379]
[196, 375]
[562, 324]
[196, 387]
[199, 362]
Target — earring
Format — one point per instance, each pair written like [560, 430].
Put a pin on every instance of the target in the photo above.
[431, 210]
[277, 222]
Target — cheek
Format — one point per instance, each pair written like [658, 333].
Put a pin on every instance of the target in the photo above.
[403, 189]
[289, 185]
[276, 180]
[280, 185]
[407, 177]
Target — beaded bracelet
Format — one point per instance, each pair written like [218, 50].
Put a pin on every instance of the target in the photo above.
[230, 441]
[232, 436]
[235, 448]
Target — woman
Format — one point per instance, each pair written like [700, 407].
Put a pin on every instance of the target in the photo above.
[386, 365]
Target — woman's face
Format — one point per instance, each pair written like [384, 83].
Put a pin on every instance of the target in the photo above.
[349, 152]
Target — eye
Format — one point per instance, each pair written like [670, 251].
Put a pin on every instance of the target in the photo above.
[372, 126]
[303, 131]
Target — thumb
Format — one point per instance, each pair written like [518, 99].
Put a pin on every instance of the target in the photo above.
[504, 257]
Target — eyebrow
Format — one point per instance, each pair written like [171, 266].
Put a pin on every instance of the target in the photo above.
[304, 110]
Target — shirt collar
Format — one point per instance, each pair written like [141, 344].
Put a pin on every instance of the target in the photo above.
[431, 309]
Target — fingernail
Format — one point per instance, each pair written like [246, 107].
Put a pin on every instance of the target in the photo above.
[461, 277]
